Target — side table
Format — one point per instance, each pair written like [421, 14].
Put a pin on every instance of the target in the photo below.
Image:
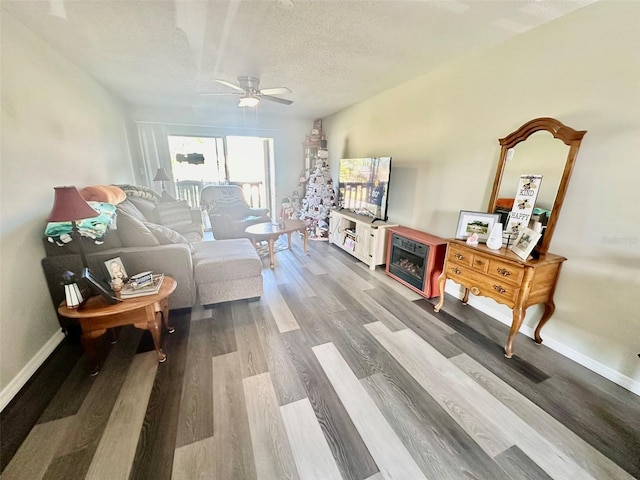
[271, 231]
[147, 313]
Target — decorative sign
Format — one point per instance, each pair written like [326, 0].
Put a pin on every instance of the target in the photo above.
[523, 204]
[525, 242]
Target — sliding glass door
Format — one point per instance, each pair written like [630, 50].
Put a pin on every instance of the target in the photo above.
[237, 160]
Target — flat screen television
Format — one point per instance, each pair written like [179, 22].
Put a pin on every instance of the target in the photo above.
[363, 184]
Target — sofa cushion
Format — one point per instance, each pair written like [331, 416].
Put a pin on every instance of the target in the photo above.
[175, 215]
[167, 236]
[133, 233]
[224, 260]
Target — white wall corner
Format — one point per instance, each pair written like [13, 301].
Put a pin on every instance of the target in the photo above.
[19, 381]
[609, 373]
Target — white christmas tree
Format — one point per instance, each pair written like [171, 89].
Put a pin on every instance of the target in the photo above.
[319, 198]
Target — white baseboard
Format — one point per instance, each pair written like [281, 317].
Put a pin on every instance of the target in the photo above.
[580, 358]
[19, 381]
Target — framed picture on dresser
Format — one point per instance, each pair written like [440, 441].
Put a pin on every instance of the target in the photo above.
[525, 242]
[479, 223]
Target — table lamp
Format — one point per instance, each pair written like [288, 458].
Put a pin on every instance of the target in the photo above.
[161, 176]
[69, 206]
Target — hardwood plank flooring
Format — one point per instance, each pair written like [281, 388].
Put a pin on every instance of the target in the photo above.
[232, 453]
[195, 418]
[310, 449]
[280, 311]
[195, 460]
[118, 442]
[388, 451]
[338, 372]
[580, 452]
[38, 450]
[271, 450]
[157, 439]
[250, 351]
[283, 373]
[441, 448]
[348, 449]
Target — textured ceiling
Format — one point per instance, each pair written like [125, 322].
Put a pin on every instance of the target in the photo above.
[331, 54]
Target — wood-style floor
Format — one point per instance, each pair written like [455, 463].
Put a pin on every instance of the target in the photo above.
[336, 373]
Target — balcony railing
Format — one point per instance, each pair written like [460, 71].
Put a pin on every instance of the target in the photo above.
[254, 192]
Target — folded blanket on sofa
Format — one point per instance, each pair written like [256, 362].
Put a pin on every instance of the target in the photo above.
[94, 228]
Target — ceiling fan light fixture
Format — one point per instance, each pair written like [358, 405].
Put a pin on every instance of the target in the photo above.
[248, 100]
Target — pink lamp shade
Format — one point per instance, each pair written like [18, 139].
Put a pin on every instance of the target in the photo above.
[68, 206]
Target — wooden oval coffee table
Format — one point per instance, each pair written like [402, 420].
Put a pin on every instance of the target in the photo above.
[147, 313]
[271, 231]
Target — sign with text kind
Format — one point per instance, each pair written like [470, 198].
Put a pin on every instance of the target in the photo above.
[523, 204]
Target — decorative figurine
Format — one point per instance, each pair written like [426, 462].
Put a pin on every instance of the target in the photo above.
[472, 239]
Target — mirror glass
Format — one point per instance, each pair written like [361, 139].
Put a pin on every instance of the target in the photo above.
[542, 146]
[540, 154]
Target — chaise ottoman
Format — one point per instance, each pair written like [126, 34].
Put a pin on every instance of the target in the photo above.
[226, 270]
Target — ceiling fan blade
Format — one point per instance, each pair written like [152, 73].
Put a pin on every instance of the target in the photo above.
[218, 94]
[274, 91]
[276, 99]
[231, 85]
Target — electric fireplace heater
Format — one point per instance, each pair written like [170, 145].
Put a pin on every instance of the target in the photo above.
[408, 259]
[415, 259]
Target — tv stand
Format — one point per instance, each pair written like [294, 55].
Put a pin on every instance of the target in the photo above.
[360, 236]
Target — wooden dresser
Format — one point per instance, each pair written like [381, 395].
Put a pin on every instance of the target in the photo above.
[504, 277]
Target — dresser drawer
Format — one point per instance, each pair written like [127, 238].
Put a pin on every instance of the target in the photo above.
[506, 272]
[480, 284]
[480, 263]
[459, 255]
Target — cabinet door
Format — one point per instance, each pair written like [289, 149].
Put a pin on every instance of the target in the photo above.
[335, 229]
[363, 242]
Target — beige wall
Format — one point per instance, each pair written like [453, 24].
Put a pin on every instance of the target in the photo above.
[442, 130]
[59, 127]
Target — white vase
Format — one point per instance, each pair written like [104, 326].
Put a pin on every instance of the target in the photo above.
[494, 241]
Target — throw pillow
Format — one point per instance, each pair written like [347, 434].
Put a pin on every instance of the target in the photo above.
[130, 209]
[175, 215]
[146, 208]
[140, 192]
[133, 232]
[103, 193]
[167, 236]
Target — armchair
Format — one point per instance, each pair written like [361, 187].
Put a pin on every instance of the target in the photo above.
[229, 212]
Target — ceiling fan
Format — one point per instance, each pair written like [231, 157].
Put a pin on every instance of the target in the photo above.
[248, 88]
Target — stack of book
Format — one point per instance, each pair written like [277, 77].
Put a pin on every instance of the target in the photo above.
[141, 279]
[135, 289]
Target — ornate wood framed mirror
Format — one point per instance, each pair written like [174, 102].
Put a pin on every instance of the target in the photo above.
[530, 150]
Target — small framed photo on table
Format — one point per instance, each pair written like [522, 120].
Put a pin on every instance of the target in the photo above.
[479, 223]
[115, 269]
[525, 242]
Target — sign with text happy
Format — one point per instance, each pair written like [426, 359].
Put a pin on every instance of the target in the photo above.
[524, 201]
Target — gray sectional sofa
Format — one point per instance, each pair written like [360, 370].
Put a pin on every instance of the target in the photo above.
[167, 237]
